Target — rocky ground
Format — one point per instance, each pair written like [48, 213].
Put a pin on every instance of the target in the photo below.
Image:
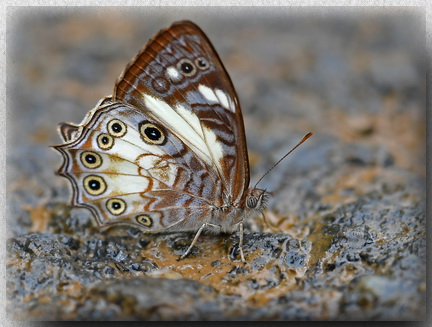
[345, 237]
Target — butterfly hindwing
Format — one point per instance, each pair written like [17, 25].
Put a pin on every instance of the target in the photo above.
[124, 175]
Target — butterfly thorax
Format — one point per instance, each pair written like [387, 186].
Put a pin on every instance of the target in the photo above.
[229, 215]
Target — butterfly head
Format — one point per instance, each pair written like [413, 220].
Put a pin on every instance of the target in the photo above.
[257, 199]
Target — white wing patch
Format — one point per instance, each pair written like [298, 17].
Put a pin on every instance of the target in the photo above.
[223, 98]
[191, 118]
[208, 93]
[217, 96]
[214, 145]
[173, 74]
[117, 185]
[188, 128]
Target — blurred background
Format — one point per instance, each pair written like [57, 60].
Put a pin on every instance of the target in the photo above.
[354, 76]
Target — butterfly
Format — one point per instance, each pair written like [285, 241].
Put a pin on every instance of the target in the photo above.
[166, 152]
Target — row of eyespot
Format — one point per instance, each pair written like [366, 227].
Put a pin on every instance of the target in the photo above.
[95, 185]
[150, 133]
[92, 160]
[189, 69]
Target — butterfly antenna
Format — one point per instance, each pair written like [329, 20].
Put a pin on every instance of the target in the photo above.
[277, 163]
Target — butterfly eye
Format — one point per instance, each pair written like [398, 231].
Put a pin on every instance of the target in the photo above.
[91, 159]
[116, 206]
[186, 67]
[151, 133]
[105, 141]
[202, 63]
[117, 128]
[94, 185]
[251, 202]
[144, 220]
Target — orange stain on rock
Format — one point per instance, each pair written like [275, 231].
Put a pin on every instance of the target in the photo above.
[40, 217]
[212, 266]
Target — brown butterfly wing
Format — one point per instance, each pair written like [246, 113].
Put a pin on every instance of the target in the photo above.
[179, 78]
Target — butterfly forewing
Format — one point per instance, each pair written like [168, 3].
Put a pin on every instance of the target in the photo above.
[179, 79]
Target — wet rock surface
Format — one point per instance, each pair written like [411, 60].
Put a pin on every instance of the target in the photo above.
[344, 236]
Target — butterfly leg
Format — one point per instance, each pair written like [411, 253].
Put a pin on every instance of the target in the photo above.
[240, 224]
[198, 233]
